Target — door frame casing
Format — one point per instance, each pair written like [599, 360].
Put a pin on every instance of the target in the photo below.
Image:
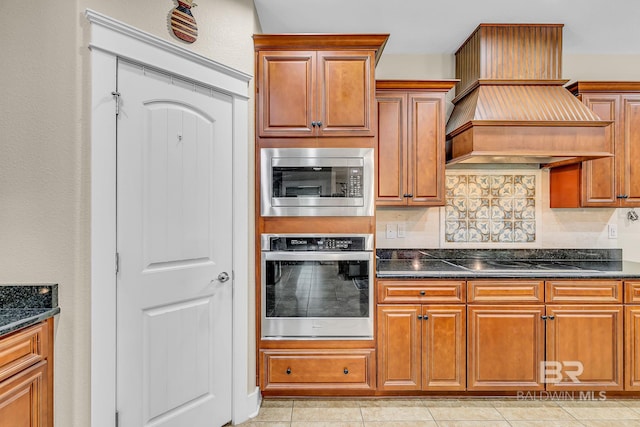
[109, 40]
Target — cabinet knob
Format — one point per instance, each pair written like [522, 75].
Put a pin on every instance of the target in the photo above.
[543, 317]
[420, 316]
[622, 196]
[288, 371]
[319, 124]
[551, 317]
[313, 124]
[423, 293]
[407, 195]
[425, 317]
[346, 371]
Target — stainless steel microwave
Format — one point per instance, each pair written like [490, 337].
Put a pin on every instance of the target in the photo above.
[316, 181]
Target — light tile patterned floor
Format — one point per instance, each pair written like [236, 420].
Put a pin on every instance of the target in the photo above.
[445, 413]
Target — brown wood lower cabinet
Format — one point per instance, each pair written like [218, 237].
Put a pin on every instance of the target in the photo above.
[505, 347]
[318, 369]
[576, 345]
[632, 348]
[23, 398]
[632, 336]
[585, 334]
[481, 336]
[585, 344]
[26, 377]
[421, 347]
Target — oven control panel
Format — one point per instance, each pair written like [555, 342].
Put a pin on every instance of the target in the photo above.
[318, 243]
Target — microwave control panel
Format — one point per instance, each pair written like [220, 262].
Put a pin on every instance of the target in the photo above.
[355, 182]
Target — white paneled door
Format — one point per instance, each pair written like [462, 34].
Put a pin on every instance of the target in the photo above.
[174, 214]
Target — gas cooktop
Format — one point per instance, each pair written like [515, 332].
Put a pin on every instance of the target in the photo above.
[495, 267]
[504, 262]
[522, 266]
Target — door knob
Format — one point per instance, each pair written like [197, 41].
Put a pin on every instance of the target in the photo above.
[222, 277]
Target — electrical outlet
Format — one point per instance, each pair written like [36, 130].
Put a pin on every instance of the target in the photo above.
[613, 231]
[401, 230]
[391, 231]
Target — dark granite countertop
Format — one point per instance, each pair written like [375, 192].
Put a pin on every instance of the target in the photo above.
[504, 263]
[26, 304]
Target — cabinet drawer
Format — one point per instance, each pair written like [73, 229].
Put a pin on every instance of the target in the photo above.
[22, 349]
[505, 291]
[421, 291]
[585, 291]
[632, 292]
[316, 369]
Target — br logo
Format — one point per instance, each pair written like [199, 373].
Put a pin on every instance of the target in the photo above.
[553, 372]
[183, 24]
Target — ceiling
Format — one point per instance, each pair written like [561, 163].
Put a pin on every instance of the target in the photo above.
[440, 27]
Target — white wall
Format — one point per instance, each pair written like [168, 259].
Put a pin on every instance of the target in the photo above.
[561, 228]
[44, 153]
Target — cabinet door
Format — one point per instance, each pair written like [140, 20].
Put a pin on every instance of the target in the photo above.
[392, 151]
[23, 398]
[426, 150]
[585, 338]
[505, 345]
[443, 347]
[599, 187]
[286, 94]
[632, 348]
[346, 93]
[399, 347]
[630, 135]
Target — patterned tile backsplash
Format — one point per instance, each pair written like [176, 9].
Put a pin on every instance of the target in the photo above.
[490, 208]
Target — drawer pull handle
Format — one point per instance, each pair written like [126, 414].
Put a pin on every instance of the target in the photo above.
[288, 371]
[423, 293]
[346, 371]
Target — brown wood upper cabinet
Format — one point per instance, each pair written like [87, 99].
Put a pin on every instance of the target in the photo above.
[316, 85]
[411, 142]
[606, 182]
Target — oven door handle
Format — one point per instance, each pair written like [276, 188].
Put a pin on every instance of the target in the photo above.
[317, 256]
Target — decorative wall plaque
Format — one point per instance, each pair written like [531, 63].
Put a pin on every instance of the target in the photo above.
[183, 24]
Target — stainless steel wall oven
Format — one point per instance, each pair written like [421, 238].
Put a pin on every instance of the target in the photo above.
[317, 286]
[316, 182]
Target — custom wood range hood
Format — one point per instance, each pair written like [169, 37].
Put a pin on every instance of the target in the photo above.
[511, 106]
